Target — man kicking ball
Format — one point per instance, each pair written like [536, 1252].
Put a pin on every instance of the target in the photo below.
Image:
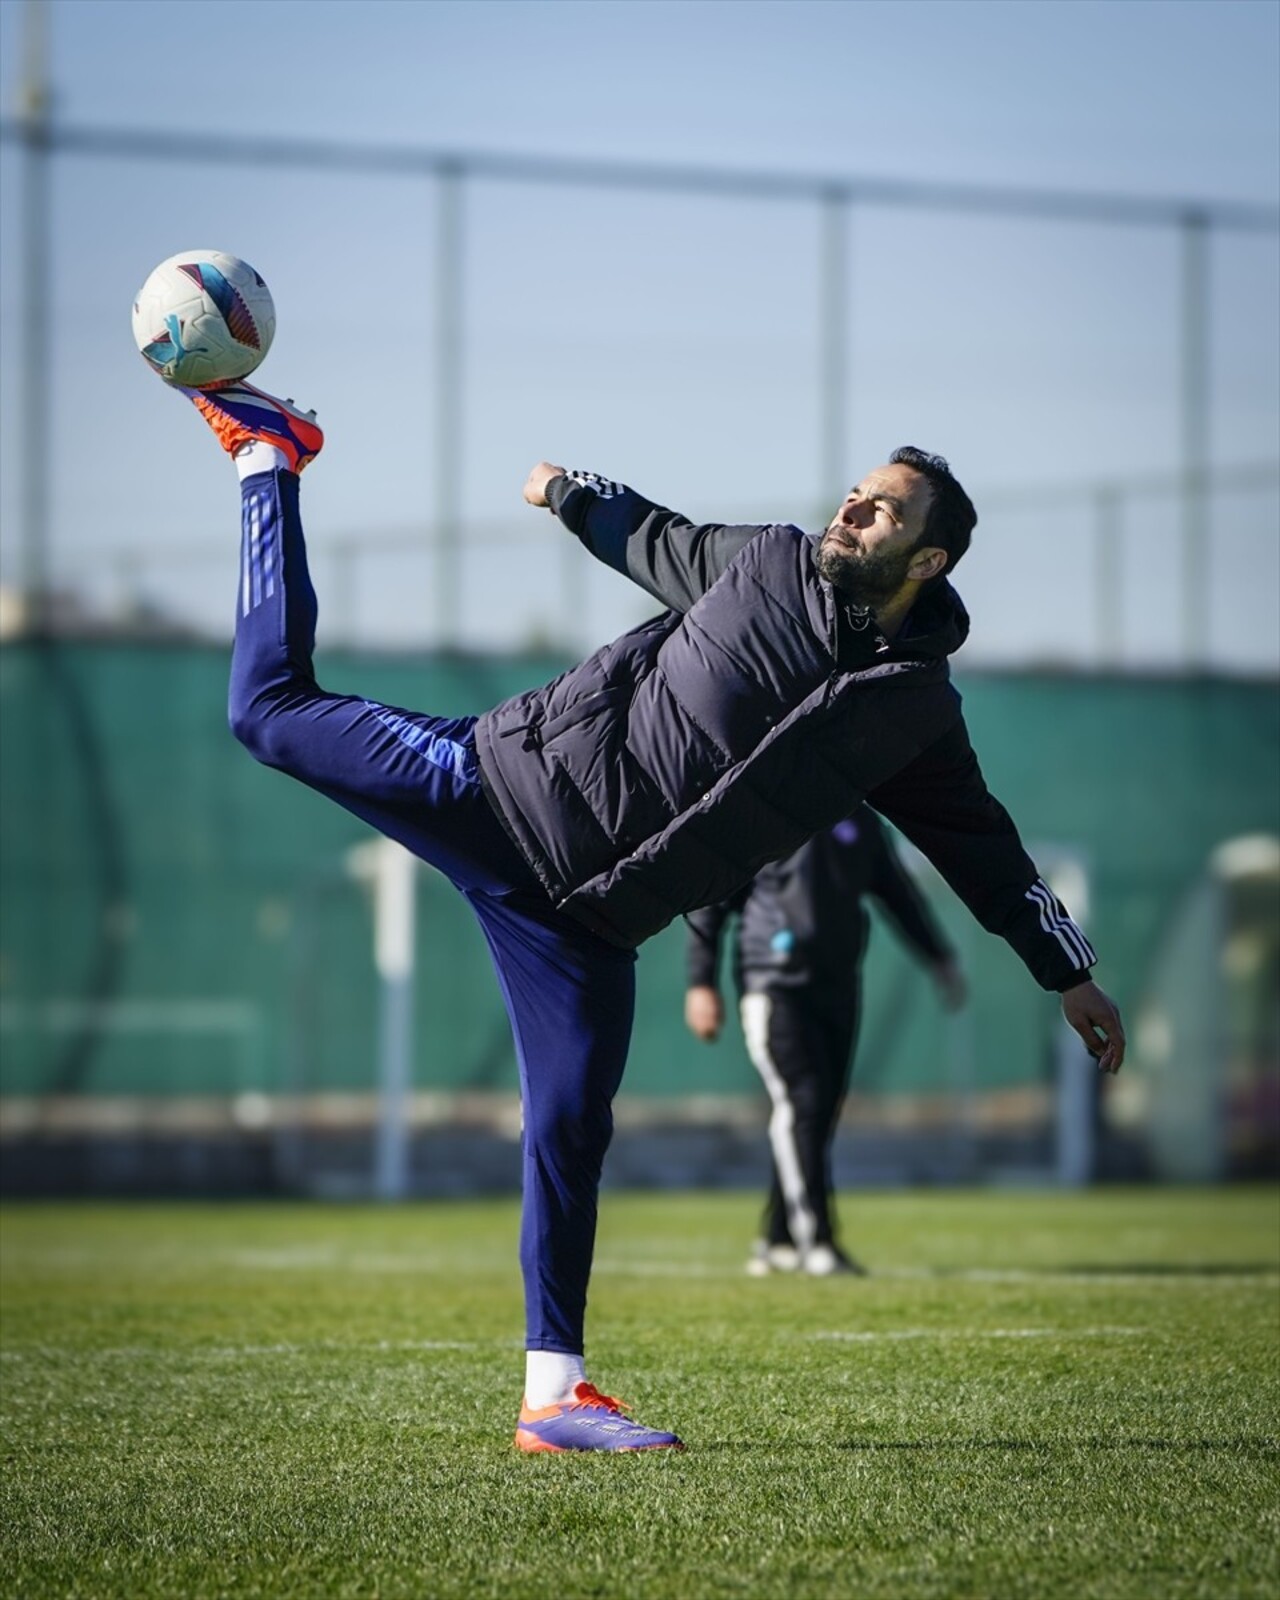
[790, 678]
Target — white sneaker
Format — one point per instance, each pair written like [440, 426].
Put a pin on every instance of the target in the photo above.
[827, 1261]
[769, 1258]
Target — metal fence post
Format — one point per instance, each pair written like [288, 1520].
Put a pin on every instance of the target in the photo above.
[1108, 598]
[36, 134]
[833, 344]
[450, 400]
[1194, 426]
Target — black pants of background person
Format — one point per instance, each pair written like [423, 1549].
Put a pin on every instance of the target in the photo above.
[803, 1051]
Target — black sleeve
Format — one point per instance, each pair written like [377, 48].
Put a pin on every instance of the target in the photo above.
[706, 933]
[941, 803]
[675, 560]
[892, 886]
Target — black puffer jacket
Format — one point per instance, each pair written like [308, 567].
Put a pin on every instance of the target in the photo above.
[666, 769]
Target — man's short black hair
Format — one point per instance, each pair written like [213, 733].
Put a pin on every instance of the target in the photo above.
[951, 517]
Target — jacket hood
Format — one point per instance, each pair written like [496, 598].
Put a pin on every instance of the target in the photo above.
[936, 626]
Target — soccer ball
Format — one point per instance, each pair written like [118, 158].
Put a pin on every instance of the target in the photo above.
[204, 319]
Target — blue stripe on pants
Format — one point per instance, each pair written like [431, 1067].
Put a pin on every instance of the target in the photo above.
[414, 777]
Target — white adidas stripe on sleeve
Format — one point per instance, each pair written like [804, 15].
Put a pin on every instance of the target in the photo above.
[604, 487]
[1055, 920]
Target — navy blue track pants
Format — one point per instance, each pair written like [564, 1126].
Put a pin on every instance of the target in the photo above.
[569, 995]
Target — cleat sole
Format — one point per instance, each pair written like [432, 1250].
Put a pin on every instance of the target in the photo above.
[532, 1445]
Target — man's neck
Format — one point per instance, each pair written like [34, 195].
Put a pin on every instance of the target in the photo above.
[893, 613]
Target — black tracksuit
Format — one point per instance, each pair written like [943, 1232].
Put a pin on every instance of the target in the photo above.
[797, 955]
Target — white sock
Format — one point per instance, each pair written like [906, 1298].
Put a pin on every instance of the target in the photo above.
[550, 1377]
[259, 456]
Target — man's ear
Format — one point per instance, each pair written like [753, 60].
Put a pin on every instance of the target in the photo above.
[927, 563]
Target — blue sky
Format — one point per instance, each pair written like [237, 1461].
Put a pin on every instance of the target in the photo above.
[1161, 96]
[668, 341]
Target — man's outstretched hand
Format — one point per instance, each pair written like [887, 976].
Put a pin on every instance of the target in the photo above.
[535, 485]
[1095, 1018]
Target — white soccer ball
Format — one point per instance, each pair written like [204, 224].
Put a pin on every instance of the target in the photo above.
[204, 319]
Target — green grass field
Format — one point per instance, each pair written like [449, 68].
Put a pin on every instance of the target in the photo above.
[1033, 1395]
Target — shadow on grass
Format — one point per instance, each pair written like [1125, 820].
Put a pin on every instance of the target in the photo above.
[1237, 1444]
[1110, 1269]
[1239, 1441]
[1174, 1269]
[1260, 1444]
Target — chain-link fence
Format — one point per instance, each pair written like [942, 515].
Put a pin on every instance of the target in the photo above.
[1103, 371]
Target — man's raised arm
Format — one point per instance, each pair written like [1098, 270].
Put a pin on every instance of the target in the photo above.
[675, 560]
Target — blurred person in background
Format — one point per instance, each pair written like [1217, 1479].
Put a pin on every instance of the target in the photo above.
[789, 677]
[800, 935]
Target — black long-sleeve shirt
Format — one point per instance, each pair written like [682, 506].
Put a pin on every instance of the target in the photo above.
[802, 921]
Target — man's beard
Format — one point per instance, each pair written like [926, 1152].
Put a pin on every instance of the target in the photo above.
[869, 581]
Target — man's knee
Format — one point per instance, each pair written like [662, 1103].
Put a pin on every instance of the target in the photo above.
[568, 1128]
[261, 725]
[242, 722]
[805, 1099]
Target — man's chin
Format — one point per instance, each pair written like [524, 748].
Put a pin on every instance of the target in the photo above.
[856, 578]
[838, 565]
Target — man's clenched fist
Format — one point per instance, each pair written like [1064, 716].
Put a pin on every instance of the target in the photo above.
[535, 485]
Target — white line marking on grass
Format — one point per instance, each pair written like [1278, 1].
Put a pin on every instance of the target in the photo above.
[234, 1352]
[1160, 1277]
[666, 1269]
[329, 1259]
[284, 1260]
[867, 1337]
[1172, 1277]
[231, 1352]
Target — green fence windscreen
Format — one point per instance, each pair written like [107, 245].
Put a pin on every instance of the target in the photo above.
[178, 920]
